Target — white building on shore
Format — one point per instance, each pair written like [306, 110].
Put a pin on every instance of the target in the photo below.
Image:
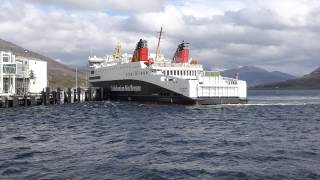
[21, 75]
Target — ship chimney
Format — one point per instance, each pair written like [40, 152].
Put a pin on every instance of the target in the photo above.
[141, 52]
[182, 53]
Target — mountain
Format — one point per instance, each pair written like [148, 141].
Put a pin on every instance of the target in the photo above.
[59, 75]
[257, 76]
[309, 81]
[314, 74]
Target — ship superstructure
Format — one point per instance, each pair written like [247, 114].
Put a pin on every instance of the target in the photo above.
[151, 77]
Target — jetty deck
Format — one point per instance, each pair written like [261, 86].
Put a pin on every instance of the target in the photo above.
[51, 97]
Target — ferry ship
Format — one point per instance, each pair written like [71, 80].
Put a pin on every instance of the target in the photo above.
[144, 76]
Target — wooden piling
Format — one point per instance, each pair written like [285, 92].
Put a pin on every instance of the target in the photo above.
[78, 95]
[98, 94]
[25, 100]
[43, 98]
[15, 101]
[47, 97]
[4, 102]
[33, 101]
[69, 95]
[74, 96]
[58, 97]
[89, 94]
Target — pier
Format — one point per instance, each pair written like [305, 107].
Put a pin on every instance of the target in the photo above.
[53, 97]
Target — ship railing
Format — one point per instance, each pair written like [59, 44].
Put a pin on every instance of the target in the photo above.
[230, 81]
[212, 73]
[177, 65]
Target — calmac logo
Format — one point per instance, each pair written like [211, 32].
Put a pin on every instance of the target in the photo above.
[126, 88]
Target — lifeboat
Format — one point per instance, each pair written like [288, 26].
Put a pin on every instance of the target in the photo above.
[194, 61]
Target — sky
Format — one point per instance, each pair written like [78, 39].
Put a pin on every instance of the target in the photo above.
[275, 35]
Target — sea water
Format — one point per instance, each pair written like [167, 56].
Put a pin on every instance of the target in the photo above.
[275, 136]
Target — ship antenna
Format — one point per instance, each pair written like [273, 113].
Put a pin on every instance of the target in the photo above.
[158, 45]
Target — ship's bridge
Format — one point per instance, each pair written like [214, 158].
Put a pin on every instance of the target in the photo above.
[181, 70]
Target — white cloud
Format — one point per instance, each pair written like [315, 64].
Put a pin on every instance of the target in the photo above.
[123, 5]
[278, 35]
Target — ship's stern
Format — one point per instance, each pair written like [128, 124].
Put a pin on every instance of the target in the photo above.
[213, 90]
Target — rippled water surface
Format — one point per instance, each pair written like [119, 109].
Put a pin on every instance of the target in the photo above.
[275, 136]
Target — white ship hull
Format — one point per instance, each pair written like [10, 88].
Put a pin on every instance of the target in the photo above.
[167, 83]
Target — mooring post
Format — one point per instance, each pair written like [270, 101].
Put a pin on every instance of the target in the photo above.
[47, 96]
[69, 95]
[86, 95]
[75, 95]
[83, 95]
[78, 95]
[10, 103]
[5, 102]
[43, 98]
[33, 101]
[102, 97]
[98, 94]
[15, 101]
[25, 100]
[58, 96]
[54, 96]
[62, 97]
[65, 96]
[90, 94]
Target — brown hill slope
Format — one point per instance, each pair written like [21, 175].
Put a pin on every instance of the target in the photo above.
[315, 74]
[309, 81]
[59, 75]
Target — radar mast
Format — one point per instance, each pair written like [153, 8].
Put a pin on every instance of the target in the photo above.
[158, 45]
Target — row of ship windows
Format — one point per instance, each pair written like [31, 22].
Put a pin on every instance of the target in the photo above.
[179, 73]
[137, 73]
[169, 94]
[166, 72]
[232, 82]
[109, 69]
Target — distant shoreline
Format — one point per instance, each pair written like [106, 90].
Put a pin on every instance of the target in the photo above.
[298, 89]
